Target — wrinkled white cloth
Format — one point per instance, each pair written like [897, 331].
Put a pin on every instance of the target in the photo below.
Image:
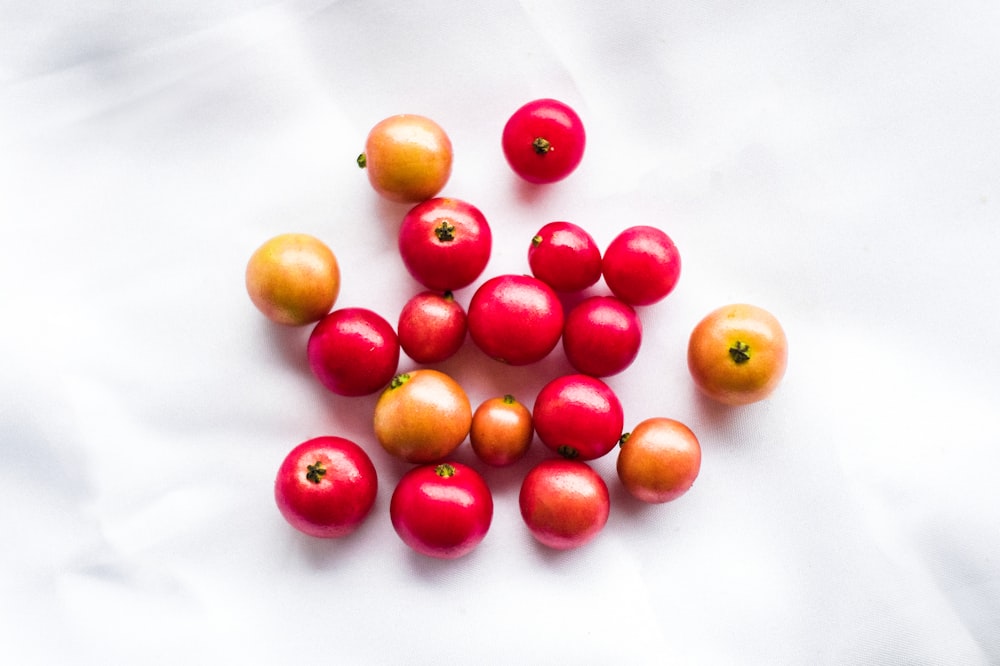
[836, 163]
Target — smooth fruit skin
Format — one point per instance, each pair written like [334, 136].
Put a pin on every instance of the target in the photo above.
[445, 243]
[738, 354]
[442, 510]
[501, 431]
[432, 327]
[641, 265]
[353, 351]
[602, 336]
[326, 487]
[515, 319]
[578, 416]
[293, 279]
[659, 460]
[422, 416]
[564, 503]
[565, 256]
[407, 157]
[544, 141]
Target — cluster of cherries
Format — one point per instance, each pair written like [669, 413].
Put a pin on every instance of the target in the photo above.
[326, 486]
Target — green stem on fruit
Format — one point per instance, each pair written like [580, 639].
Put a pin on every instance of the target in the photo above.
[740, 352]
[362, 160]
[445, 231]
[447, 295]
[399, 380]
[315, 472]
[541, 145]
[445, 471]
[567, 451]
[624, 438]
[509, 399]
[537, 240]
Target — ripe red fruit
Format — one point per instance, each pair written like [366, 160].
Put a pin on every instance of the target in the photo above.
[445, 243]
[516, 319]
[564, 503]
[442, 510]
[543, 141]
[565, 257]
[578, 416]
[602, 336]
[353, 351]
[641, 265]
[326, 487]
[432, 327]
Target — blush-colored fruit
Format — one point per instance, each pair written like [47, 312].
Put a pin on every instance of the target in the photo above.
[659, 460]
[501, 431]
[442, 510]
[353, 351]
[602, 336]
[326, 487]
[564, 503]
[407, 157]
[516, 319]
[432, 327]
[738, 354]
[293, 279]
[422, 416]
[578, 416]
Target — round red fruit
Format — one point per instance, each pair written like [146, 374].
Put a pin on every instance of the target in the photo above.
[442, 510]
[578, 416]
[353, 351]
[516, 319]
[326, 487]
[565, 257]
[432, 327]
[445, 243]
[641, 265]
[564, 503]
[543, 141]
[602, 336]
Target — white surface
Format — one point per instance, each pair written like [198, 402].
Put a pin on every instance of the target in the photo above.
[836, 163]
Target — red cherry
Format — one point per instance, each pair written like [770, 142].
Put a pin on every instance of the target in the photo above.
[516, 319]
[578, 416]
[442, 510]
[445, 243]
[564, 503]
[326, 487]
[432, 327]
[602, 336]
[353, 351]
[565, 257]
[641, 265]
[544, 141]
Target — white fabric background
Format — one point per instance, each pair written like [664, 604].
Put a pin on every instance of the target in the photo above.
[836, 163]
